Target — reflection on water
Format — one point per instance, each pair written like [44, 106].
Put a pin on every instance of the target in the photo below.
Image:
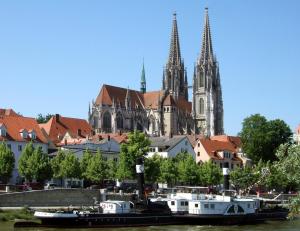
[269, 226]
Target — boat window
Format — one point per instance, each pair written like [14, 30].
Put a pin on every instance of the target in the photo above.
[186, 203]
[248, 206]
[206, 206]
[172, 202]
[212, 206]
[182, 203]
[196, 205]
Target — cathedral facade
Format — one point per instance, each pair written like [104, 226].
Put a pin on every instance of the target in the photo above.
[166, 112]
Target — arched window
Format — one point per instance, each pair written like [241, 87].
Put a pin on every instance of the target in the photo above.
[201, 106]
[119, 121]
[107, 121]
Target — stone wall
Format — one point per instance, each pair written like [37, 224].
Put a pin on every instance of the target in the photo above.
[53, 197]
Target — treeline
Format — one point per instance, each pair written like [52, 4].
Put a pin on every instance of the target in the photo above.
[36, 165]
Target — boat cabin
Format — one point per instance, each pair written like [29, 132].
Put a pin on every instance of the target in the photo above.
[178, 205]
[116, 207]
[222, 206]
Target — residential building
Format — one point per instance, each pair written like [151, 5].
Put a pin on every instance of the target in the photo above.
[61, 129]
[170, 146]
[16, 131]
[166, 112]
[221, 149]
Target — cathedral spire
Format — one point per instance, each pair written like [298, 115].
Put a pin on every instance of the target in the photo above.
[143, 80]
[207, 50]
[174, 55]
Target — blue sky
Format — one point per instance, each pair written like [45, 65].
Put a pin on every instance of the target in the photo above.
[55, 55]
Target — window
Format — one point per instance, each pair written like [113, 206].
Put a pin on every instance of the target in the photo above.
[186, 203]
[198, 144]
[231, 166]
[172, 202]
[212, 206]
[201, 106]
[20, 147]
[2, 132]
[107, 121]
[119, 121]
[9, 146]
[115, 159]
[221, 165]
[198, 154]
[196, 205]
[182, 203]
[248, 206]
[105, 158]
[206, 206]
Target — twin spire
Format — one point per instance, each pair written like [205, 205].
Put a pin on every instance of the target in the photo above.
[174, 55]
[207, 50]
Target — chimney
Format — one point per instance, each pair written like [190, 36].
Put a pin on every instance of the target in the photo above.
[57, 118]
[79, 132]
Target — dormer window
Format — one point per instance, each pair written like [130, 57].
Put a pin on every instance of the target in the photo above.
[2, 130]
[227, 154]
[24, 133]
[32, 134]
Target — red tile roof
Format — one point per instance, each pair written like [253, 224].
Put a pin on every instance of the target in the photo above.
[58, 126]
[15, 124]
[233, 139]
[152, 98]
[7, 112]
[120, 138]
[213, 146]
[108, 94]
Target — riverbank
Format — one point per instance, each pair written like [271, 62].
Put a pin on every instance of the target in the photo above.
[11, 215]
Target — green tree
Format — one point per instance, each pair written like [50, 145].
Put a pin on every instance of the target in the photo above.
[152, 168]
[168, 171]
[261, 138]
[24, 168]
[97, 168]
[34, 164]
[40, 166]
[289, 163]
[7, 163]
[43, 118]
[56, 164]
[70, 166]
[84, 162]
[188, 170]
[112, 169]
[136, 146]
[210, 174]
[243, 178]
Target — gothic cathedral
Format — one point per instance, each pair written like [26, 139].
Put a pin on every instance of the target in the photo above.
[166, 112]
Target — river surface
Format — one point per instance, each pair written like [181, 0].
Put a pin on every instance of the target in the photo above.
[293, 225]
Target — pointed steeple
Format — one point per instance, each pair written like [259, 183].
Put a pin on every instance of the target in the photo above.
[143, 80]
[207, 50]
[174, 55]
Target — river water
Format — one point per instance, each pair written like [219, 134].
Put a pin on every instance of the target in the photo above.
[293, 225]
